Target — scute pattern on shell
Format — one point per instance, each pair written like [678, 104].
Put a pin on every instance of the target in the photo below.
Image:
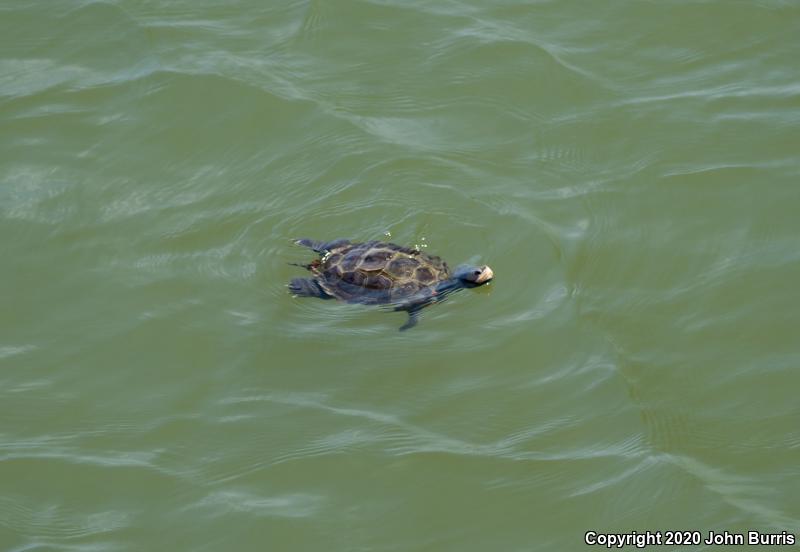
[379, 273]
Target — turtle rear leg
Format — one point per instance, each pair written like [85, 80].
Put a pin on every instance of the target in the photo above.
[320, 246]
[307, 287]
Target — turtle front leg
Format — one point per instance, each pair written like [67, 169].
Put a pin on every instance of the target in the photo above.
[413, 318]
[307, 287]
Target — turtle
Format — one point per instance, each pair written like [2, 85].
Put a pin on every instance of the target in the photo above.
[379, 273]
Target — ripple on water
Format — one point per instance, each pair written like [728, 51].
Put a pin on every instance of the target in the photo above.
[293, 505]
[57, 521]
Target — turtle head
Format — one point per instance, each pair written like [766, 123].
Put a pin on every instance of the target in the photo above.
[473, 276]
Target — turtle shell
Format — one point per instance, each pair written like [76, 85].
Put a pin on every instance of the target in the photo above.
[379, 273]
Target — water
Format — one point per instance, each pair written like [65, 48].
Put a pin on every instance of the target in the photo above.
[629, 171]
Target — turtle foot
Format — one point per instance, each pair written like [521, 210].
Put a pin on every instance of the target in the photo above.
[306, 287]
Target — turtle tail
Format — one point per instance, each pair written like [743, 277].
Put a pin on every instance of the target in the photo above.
[309, 266]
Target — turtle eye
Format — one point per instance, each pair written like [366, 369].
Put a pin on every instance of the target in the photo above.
[477, 273]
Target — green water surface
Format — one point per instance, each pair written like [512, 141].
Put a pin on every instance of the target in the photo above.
[628, 169]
